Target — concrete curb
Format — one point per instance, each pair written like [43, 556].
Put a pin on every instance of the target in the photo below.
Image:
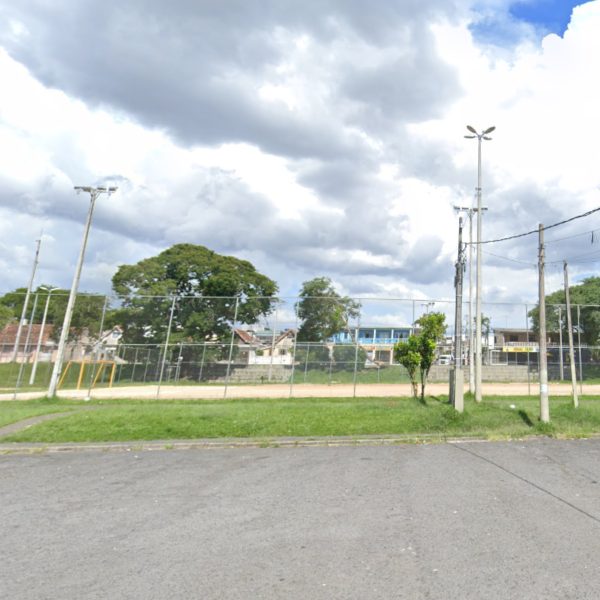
[228, 443]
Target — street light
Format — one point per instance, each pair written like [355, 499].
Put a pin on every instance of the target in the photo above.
[478, 363]
[48, 289]
[94, 192]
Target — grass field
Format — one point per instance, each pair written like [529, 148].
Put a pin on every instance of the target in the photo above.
[128, 420]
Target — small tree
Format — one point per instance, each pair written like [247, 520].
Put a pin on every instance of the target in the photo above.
[418, 352]
[408, 355]
[322, 311]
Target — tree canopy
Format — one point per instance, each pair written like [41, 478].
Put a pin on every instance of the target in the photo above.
[322, 311]
[206, 286]
[587, 294]
[87, 312]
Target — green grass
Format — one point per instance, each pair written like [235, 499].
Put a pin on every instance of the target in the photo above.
[11, 412]
[128, 420]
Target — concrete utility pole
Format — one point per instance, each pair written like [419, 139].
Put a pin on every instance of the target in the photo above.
[570, 330]
[478, 358]
[456, 376]
[26, 301]
[544, 405]
[41, 335]
[470, 212]
[94, 192]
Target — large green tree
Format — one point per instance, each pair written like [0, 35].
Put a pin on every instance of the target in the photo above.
[211, 291]
[417, 353]
[586, 294]
[322, 311]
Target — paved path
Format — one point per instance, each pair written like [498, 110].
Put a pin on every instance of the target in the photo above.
[513, 520]
[299, 391]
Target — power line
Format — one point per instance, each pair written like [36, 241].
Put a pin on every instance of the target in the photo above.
[519, 235]
[570, 237]
[521, 262]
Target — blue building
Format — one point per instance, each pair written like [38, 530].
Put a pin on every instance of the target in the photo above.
[378, 342]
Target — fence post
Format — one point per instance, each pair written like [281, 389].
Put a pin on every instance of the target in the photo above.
[164, 356]
[528, 351]
[272, 346]
[95, 359]
[355, 358]
[294, 356]
[579, 344]
[202, 362]
[235, 314]
[27, 337]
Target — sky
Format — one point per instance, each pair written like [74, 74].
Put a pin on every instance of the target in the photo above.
[315, 138]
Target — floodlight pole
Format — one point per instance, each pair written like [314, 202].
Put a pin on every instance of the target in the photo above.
[478, 358]
[94, 192]
[26, 302]
[41, 334]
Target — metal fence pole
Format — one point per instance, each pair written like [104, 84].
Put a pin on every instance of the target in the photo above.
[235, 314]
[355, 358]
[294, 355]
[560, 343]
[25, 357]
[135, 359]
[202, 363]
[272, 347]
[528, 350]
[96, 348]
[306, 361]
[579, 344]
[164, 357]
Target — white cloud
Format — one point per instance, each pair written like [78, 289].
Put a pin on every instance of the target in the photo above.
[331, 148]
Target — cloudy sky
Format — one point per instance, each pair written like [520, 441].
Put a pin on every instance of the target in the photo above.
[322, 137]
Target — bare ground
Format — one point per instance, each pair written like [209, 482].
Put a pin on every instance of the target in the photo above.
[299, 391]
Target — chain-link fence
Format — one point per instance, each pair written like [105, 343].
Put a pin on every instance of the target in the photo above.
[185, 341]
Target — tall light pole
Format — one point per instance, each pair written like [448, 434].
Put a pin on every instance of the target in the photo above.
[26, 301]
[94, 192]
[478, 362]
[470, 212]
[41, 335]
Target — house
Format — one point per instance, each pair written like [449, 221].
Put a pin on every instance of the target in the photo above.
[79, 349]
[265, 347]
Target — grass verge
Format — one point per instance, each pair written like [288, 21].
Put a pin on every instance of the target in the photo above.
[11, 412]
[130, 420]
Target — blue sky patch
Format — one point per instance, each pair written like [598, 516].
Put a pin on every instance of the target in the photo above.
[505, 28]
[552, 16]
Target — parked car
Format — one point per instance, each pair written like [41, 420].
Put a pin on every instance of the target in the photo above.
[445, 359]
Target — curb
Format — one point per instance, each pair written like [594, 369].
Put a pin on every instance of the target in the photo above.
[227, 443]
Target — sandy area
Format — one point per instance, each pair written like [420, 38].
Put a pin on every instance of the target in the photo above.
[299, 391]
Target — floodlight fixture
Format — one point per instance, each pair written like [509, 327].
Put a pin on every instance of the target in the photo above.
[472, 129]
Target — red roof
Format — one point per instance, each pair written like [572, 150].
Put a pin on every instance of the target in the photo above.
[9, 334]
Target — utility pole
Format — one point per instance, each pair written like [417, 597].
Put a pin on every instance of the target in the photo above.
[570, 330]
[94, 192]
[456, 376]
[470, 212]
[478, 358]
[543, 358]
[26, 301]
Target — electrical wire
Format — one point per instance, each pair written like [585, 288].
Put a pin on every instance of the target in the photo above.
[520, 235]
[521, 262]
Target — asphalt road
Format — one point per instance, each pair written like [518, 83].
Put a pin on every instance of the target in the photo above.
[450, 521]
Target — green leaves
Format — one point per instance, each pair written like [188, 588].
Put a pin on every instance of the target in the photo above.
[417, 353]
[209, 286]
[322, 311]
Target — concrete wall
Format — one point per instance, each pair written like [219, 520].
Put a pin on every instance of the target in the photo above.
[490, 373]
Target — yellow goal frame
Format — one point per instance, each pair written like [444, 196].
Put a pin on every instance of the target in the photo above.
[102, 364]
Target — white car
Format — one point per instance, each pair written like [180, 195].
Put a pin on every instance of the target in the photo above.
[445, 359]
